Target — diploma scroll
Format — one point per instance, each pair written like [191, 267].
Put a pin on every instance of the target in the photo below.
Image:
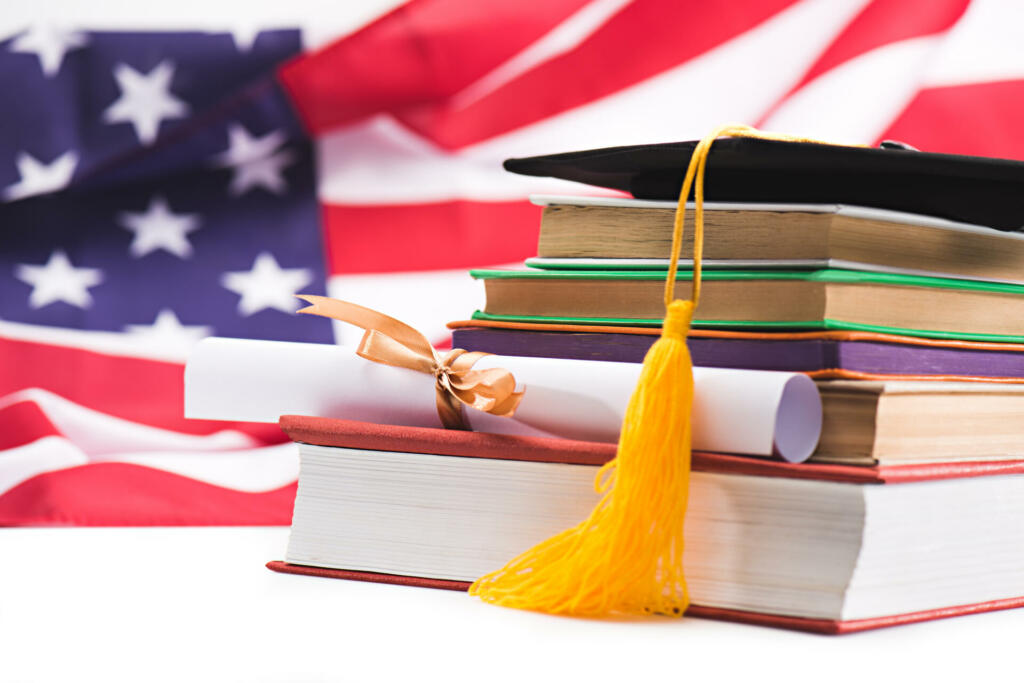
[750, 412]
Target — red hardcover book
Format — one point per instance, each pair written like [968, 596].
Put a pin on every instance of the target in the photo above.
[822, 548]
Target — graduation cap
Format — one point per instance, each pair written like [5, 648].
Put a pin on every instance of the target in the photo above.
[977, 190]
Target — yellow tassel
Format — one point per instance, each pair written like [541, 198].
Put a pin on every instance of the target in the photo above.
[627, 557]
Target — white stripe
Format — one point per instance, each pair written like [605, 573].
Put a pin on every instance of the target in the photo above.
[985, 45]
[426, 300]
[320, 20]
[112, 343]
[735, 81]
[857, 101]
[382, 162]
[99, 435]
[562, 39]
[43, 455]
[255, 470]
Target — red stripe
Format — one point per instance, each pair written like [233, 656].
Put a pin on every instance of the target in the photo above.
[423, 51]
[410, 237]
[981, 119]
[118, 494]
[883, 22]
[146, 391]
[880, 23]
[412, 61]
[646, 38]
[22, 423]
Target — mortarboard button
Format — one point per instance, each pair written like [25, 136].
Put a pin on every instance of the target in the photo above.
[896, 144]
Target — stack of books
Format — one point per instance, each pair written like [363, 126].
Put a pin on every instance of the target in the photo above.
[915, 365]
[911, 508]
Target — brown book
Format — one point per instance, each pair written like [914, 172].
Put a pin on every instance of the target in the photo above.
[891, 423]
[822, 235]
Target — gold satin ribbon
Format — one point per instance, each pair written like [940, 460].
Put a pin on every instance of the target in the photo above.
[392, 342]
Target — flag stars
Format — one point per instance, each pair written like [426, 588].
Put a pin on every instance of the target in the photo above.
[57, 281]
[158, 228]
[244, 35]
[168, 332]
[40, 178]
[267, 285]
[50, 44]
[145, 100]
[256, 161]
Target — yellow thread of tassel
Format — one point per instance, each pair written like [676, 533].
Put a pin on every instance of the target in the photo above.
[627, 556]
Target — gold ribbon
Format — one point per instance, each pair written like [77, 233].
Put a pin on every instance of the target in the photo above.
[392, 342]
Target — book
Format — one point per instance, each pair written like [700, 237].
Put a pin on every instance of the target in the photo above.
[590, 233]
[822, 299]
[975, 190]
[891, 422]
[823, 355]
[823, 548]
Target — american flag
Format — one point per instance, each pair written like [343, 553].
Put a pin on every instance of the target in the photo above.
[163, 179]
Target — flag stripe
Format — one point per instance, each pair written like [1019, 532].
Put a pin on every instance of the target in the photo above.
[443, 235]
[982, 118]
[22, 423]
[99, 434]
[420, 52]
[984, 46]
[417, 89]
[883, 22]
[150, 392]
[252, 470]
[120, 494]
[855, 102]
[380, 161]
[672, 33]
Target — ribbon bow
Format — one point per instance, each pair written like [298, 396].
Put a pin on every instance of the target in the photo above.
[392, 342]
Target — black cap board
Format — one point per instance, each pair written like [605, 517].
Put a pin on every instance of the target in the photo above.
[979, 190]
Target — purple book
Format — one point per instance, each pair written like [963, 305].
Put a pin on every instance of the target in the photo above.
[822, 357]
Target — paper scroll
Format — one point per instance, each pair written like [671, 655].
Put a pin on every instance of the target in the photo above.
[747, 412]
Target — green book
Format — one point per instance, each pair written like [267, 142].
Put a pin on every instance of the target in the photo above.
[764, 300]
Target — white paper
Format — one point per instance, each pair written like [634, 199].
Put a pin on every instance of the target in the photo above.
[751, 412]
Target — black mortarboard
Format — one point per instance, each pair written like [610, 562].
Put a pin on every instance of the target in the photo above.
[977, 190]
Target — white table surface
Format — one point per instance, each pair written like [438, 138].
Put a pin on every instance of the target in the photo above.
[197, 604]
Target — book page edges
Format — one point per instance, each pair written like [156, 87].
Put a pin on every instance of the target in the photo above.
[847, 210]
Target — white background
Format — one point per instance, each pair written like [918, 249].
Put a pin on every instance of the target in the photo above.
[197, 604]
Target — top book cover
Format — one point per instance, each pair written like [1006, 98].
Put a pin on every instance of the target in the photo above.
[979, 190]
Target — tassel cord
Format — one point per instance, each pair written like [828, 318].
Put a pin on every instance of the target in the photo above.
[627, 556]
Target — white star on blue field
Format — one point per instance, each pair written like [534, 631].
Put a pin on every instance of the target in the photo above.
[157, 185]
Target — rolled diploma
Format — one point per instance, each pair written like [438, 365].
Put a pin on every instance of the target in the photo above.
[751, 412]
